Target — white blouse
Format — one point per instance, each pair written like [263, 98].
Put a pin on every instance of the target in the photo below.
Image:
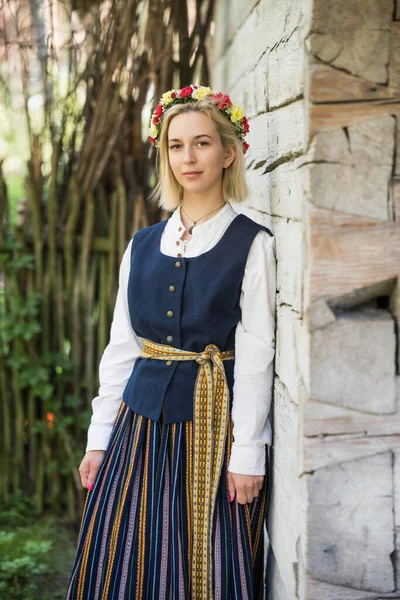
[254, 343]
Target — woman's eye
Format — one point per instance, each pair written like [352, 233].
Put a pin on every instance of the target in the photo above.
[178, 145]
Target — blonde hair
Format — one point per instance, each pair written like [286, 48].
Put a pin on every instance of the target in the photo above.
[168, 193]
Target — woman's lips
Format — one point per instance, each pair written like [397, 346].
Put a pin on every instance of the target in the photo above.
[192, 175]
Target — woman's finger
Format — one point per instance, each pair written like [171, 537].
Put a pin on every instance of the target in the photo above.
[231, 487]
[94, 469]
[84, 474]
[241, 496]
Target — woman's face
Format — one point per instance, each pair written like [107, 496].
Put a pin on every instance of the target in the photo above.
[194, 146]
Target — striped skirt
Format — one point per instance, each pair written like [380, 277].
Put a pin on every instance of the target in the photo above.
[135, 538]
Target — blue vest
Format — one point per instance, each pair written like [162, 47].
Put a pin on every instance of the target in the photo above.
[187, 303]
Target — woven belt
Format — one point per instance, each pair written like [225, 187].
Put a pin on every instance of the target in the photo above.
[210, 421]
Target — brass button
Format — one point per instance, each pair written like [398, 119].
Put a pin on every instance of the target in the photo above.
[171, 288]
[178, 264]
[170, 313]
[168, 363]
[177, 243]
[179, 255]
[180, 229]
[170, 338]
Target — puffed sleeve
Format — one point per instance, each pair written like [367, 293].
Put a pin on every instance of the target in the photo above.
[116, 365]
[254, 359]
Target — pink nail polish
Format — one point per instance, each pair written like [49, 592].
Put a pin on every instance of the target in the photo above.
[90, 486]
[230, 498]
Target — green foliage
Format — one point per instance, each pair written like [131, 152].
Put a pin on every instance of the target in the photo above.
[20, 323]
[36, 555]
[15, 192]
[43, 376]
[19, 313]
[20, 510]
[18, 568]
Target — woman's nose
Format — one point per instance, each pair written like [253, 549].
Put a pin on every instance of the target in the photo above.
[188, 154]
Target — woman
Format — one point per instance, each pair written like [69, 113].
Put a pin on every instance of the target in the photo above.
[176, 471]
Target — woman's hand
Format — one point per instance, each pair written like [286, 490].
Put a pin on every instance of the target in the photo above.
[90, 466]
[246, 487]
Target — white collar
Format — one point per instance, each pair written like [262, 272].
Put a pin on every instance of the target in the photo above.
[203, 228]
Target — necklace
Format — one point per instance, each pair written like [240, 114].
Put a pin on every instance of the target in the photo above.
[201, 218]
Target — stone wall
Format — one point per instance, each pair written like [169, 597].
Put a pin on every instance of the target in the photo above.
[320, 83]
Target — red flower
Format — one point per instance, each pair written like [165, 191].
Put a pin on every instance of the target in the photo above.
[245, 147]
[223, 100]
[153, 141]
[173, 94]
[245, 124]
[155, 120]
[185, 92]
[158, 111]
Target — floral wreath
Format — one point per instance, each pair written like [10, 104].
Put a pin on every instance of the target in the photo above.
[233, 112]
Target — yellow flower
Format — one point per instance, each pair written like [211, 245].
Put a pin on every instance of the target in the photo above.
[166, 98]
[236, 113]
[153, 131]
[201, 92]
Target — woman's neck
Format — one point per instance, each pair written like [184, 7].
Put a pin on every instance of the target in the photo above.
[190, 214]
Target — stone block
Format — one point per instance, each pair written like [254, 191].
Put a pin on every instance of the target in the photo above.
[348, 544]
[353, 362]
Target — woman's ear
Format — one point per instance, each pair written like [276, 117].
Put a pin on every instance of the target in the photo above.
[230, 154]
